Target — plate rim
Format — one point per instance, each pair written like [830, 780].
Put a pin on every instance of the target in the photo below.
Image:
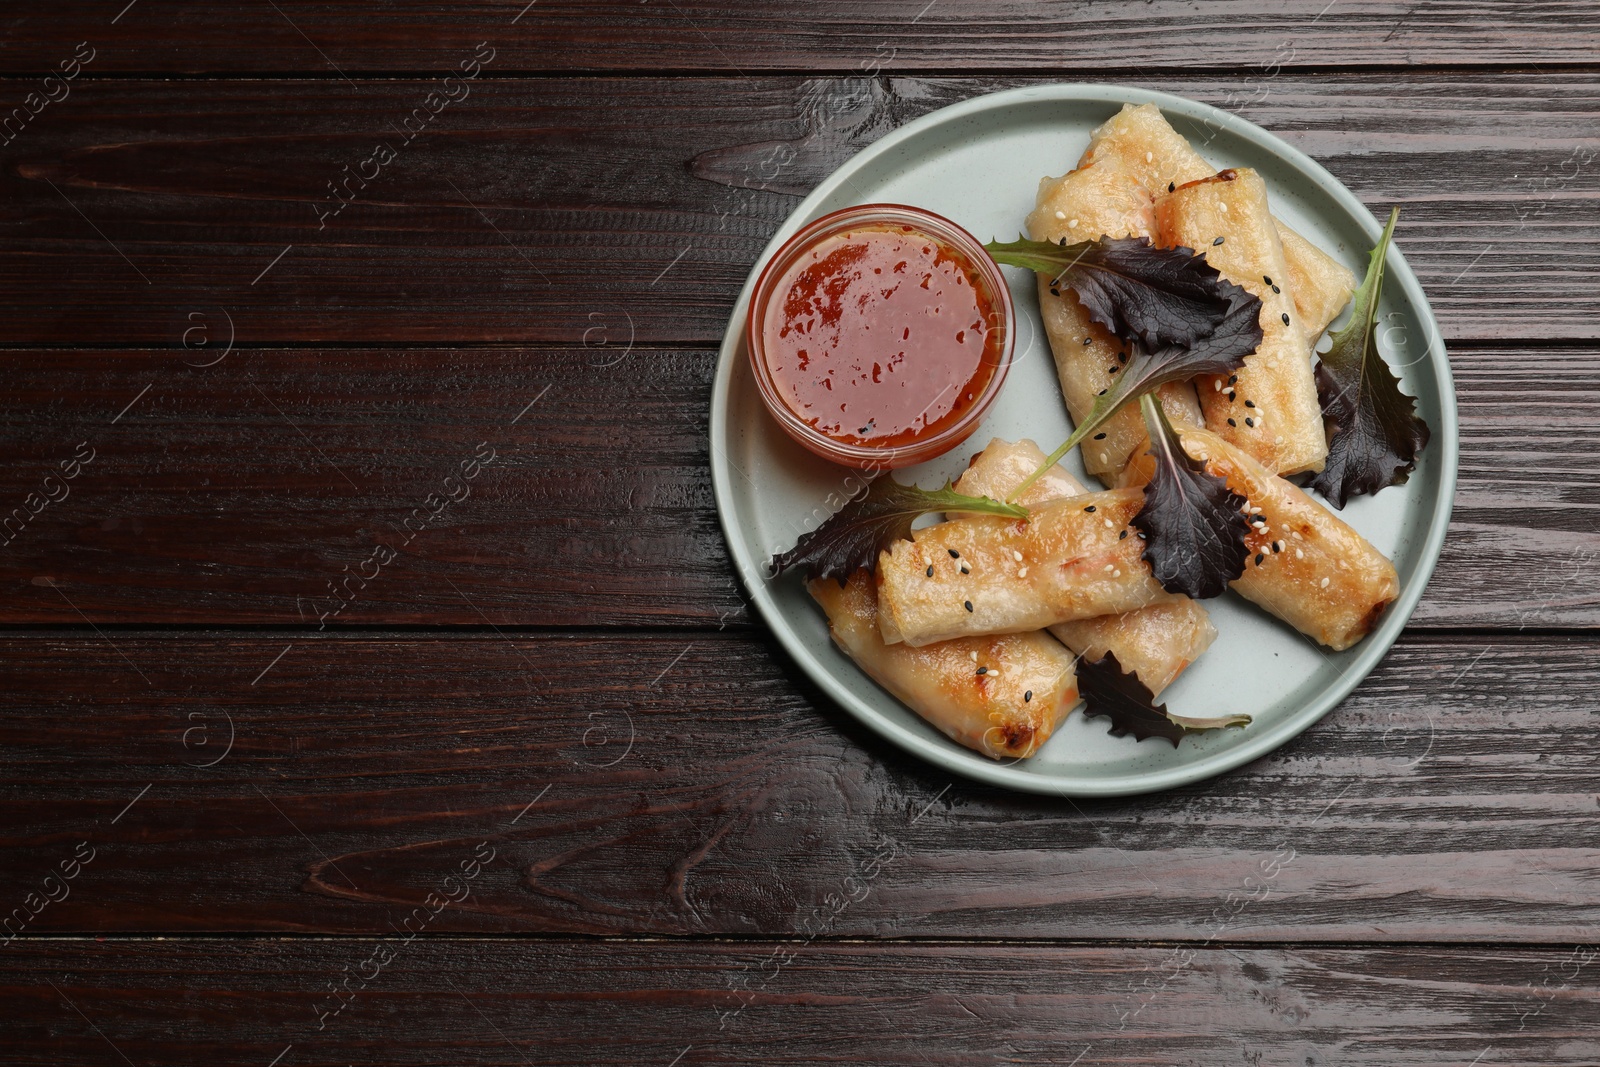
[946, 754]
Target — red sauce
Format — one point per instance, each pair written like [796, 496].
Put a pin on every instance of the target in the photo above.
[881, 335]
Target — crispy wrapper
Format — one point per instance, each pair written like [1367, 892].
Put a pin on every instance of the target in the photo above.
[1101, 199]
[1271, 410]
[1143, 141]
[1306, 565]
[1002, 696]
[1156, 643]
[1070, 559]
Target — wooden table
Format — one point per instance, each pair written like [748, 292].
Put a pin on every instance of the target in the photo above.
[378, 689]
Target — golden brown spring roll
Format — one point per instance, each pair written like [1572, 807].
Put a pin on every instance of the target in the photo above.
[1306, 565]
[1070, 559]
[1269, 407]
[1002, 696]
[1156, 643]
[1142, 139]
[1101, 199]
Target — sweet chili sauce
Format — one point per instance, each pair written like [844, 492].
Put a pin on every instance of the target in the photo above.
[881, 335]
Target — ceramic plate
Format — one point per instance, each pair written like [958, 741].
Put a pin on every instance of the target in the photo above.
[979, 163]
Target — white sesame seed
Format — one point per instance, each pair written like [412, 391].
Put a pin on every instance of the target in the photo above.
[1016, 555]
[1324, 582]
[1222, 208]
[1279, 439]
[1109, 568]
[1103, 458]
[1023, 573]
[1299, 554]
[1148, 156]
[1296, 535]
[1110, 525]
[974, 656]
[1116, 574]
[1073, 223]
[1217, 385]
[1061, 214]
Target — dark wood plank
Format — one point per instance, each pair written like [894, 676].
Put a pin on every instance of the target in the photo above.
[520, 1003]
[235, 493]
[562, 209]
[693, 785]
[719, 35]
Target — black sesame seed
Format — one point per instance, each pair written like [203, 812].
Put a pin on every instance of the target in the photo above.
[930, 570]
[1286, 318]
[1113, 369]
[1249, 403]
[1122, 357]
[1233, 379]
[1088, 340]
[1099, 437]
[1249, 421]
[1275, 547]
[1101, 393]
[1232, 423]
[1259, 557]
[954, 554]
[1275, 289]
[1063, 242]
[983, 670]
[965, 569]
[1055, 292]
[1266, 279]
[1171, 186]
[1089, 509]
[1027, 696]
[1218, 241]
[1122, 535]
[969, 605]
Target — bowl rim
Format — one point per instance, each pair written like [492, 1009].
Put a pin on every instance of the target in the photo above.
[932, 224]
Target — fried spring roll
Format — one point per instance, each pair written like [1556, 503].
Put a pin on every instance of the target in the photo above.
[1306, 565]
[1159, 156]
[1002, 696]
[1103, 198]
[1156, 643]
[1070, 559]
[1270, 407]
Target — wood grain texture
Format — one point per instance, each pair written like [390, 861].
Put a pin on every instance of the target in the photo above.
[719, 35]
[521, 1003]
[696, 785]
[570, 210]
[235, 493]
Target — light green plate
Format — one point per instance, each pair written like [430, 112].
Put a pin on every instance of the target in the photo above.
[979, 163]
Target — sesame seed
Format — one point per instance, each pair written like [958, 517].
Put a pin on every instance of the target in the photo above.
[1275, 289]
[969, 605]
[1148, 156]
[1324, 582]
[1278, 440]
[1088, 340]
[1110, 525]
[1218, 241]
[983, 670]
[1249, 421]
[1055, 292]
[1122, 535]
[1110, 568]
[1063, 242]
[1286, 318]
[1061, 214]
[1104, 458]
[1099, 437]
[1116, 574]
[1266, 279]
[1027, 696]
[965, 569]
[1113, 369]
[1233, 379]
[1255, 511]
[1259, 557]
[1299, 554]
[1122, 357]
[930, 570]
[954, 554]
[1222, 208]
[1171, 186]
[1101, 393]
[1276, 547]
[1249, 403]
[1217, 385]
[1295, 534]
[1232, 423]
[1023, 573]
[974, 656]
[1016, 555]
[1073, 223]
